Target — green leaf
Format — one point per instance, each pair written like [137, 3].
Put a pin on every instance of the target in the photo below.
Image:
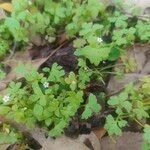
[123, 96]
[95, 54]
[124, 36]
[82, 63]
[87, 113]
[114, 54]
[12, 24]
[84, 77]
[15, 86]
[4, 110]
[78, 43]
[119, 20]
[43, 100]
[127, 105]
[24, 69]
[91, 107]
[145, 85]
[95, 7]
[111, 126]
[113, 101]
[114, 126]
[54, 105]
[48, 122]
[19, 116]
[143, 30]
[119, 111]
[120, 102]
[140, 113]
[145, 146]
[72, 81]
[95, 107]
[146, 135]
[89, 29]
[31, 121]
[122, 123]
[33, 76]
[38, 110]
[58, 129]
[56, 73]
[4, 47]
[8, 138]
[46, 69]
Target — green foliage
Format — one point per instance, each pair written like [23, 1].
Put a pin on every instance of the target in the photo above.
[124, 36]
[91, 107]
[132, 103]
[2, 74]
[8, 138]
[84, 77]
[114, 126]
[86, 21]
[129, 63]
[121, 102]
[120, 20]
[71, 80]
[147, 133]
[8, 135]
[4, 110]
[55, 74]
[143, 30]
[145, 85]
[4, 47]
[146, 137]
[51, 100]
[95, 53]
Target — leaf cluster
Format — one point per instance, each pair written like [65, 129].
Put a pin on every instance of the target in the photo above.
[50, 99]
[85, 21]
[131, 104]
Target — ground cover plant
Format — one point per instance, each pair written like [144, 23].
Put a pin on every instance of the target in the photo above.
[97, 36]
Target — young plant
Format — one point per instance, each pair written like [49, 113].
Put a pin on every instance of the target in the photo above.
[132, 103]
[8, 135]
[99, 34]
[50, 100]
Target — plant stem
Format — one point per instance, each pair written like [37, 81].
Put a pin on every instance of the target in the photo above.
[147, 103]
[139, 122]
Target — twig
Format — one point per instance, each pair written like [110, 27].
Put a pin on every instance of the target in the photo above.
[105, 113]
[116, 92]
[54, 51]
[13, 49]
[139, 122]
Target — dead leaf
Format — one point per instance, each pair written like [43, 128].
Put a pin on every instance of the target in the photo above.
[99, 132]
[22, 57]
[2, 14]
[83, 142]
[19, 57]
[13, 75]
[38, 135]
[141, 55]
[7, 6]
[116, 85]
[4, 146]
[62, 38]
[90, 140]
[63, 143]
[35, 135]
[36, 40]
[128, 141]
[2, 86]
